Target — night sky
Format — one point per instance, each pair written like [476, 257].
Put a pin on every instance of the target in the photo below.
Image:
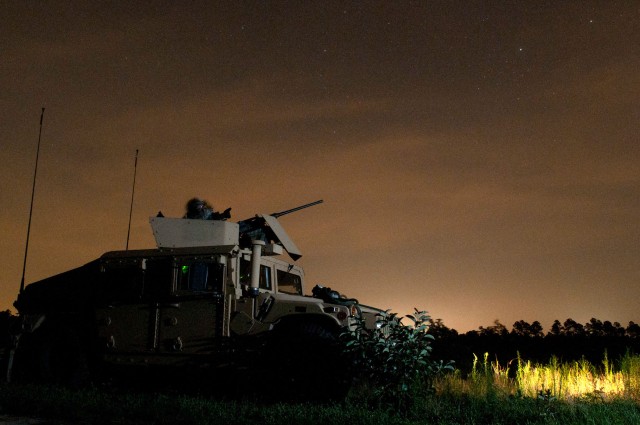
[479, 160]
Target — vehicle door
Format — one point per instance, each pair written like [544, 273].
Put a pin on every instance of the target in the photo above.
[191, 318]
[127, 317]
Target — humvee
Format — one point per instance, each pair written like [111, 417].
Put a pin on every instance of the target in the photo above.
[213, 295]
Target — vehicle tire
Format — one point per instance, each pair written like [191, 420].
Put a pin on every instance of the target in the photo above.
[61, 358]
[306, 362]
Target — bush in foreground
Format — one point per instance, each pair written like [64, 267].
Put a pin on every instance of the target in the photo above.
[391, 365]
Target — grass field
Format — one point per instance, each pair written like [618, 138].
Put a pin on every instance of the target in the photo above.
[515, 393]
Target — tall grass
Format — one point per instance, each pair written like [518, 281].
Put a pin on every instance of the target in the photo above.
[572, 381]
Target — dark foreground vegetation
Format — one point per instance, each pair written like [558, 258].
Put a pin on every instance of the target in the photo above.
[575, 374]
[93, 406]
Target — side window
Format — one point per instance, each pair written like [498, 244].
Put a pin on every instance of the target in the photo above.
[131, 282]
[289, 283]
[122, 283]
[199, 276]
[158, 278]
[245, 272]
[266, 279]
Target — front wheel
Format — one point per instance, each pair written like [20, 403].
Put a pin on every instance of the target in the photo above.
[306, 361]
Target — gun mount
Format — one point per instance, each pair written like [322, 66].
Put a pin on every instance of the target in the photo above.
[265, 227]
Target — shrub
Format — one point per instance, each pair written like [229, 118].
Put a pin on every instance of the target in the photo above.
[391, 365]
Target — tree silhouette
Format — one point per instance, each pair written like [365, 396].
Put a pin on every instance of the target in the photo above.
[633, 330]
[439, 330]
[557, 329]
[498, 329]
[522, 328]
[572, 328]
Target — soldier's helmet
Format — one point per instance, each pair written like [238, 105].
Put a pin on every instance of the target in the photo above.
[198, 208]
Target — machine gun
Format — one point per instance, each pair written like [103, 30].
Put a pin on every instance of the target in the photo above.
[257, 222]
[301, 207]
[265, 227]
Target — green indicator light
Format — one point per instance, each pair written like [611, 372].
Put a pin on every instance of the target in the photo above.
[185, 269]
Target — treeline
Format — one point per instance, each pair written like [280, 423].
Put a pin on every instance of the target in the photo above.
[568, 341]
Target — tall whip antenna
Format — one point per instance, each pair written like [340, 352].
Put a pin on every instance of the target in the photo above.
[33, 191]
[133, 189]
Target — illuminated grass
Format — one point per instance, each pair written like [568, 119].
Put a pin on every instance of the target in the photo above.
[573, 381]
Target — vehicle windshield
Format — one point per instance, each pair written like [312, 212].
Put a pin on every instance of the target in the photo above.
[289, 283]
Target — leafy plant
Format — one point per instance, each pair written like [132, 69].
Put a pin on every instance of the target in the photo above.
[392, 362]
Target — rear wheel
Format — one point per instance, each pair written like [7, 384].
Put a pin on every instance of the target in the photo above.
[61, 358]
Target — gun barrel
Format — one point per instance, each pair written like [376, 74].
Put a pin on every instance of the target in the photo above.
[285, 212]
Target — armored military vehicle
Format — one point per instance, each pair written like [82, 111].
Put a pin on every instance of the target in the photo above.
[212, 295]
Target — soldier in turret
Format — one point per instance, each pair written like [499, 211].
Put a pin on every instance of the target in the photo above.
[200, 209]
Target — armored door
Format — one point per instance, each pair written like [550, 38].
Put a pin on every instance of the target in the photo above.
[128, 319]
[190, 320]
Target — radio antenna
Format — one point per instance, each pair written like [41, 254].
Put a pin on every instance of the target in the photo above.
[133, 189]
[33, 191]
